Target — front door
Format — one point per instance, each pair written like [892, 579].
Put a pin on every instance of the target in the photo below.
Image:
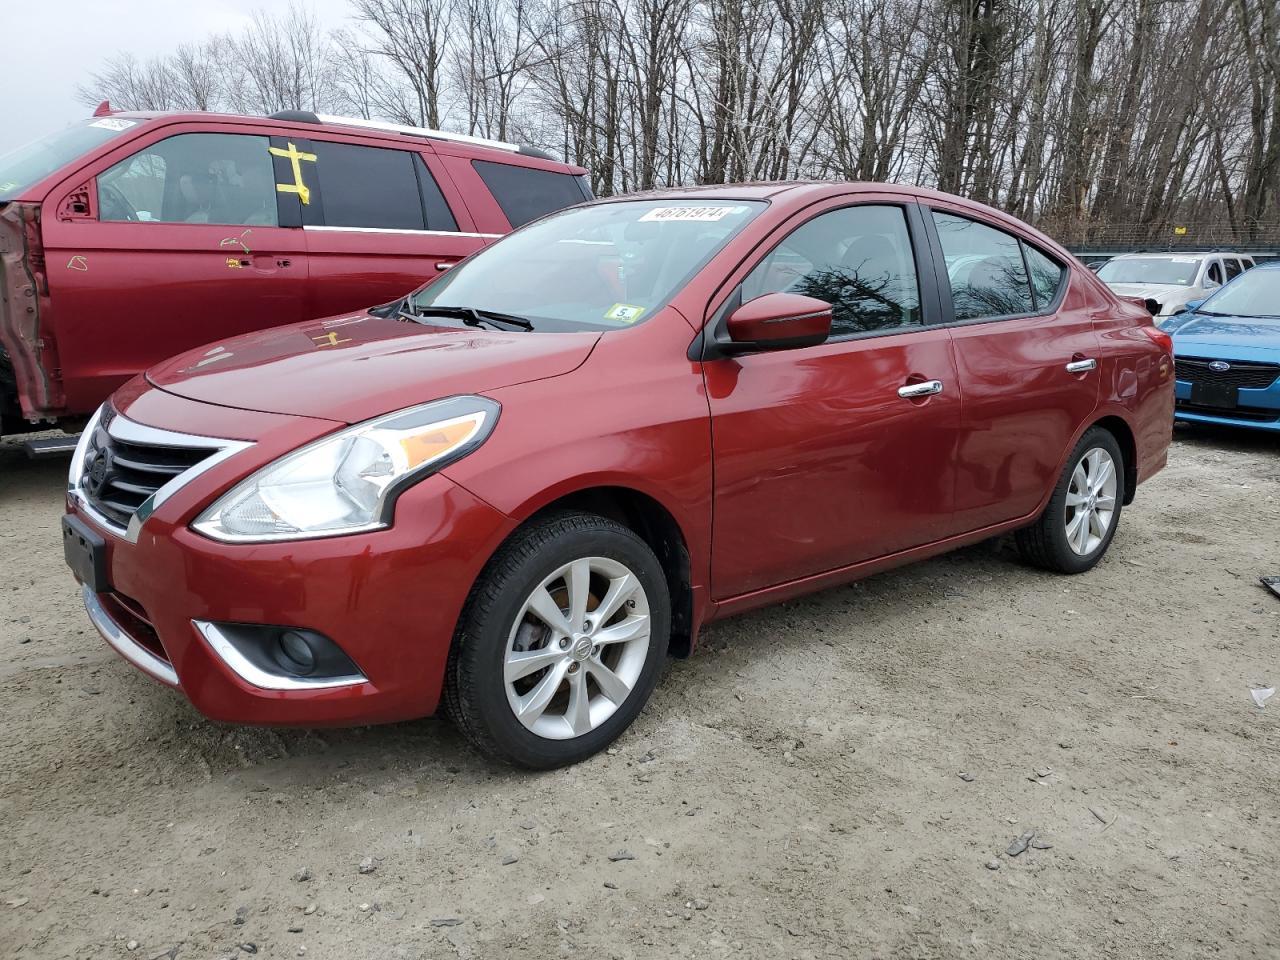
[183, 248]
[1027, 358]
[821, 461]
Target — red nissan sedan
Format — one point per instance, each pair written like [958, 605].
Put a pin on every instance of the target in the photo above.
[521, 487]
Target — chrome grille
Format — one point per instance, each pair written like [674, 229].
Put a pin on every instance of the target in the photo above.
[117, 476]
[1253, 376]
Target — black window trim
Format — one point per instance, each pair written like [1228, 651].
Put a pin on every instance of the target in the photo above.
[926, 285]
[946, 297]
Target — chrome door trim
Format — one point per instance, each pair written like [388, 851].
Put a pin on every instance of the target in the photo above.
[416, 233]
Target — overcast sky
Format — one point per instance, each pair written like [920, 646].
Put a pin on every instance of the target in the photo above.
[55, 44]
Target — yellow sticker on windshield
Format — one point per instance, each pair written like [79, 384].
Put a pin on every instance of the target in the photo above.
[624, 313]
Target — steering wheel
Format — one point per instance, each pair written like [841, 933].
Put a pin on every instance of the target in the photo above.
[113, 204]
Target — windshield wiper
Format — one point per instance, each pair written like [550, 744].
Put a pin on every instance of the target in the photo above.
[471, 316]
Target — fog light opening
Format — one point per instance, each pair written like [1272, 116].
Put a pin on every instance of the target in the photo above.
[295, 653]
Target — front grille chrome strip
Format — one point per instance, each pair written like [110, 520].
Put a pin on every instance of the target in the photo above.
[125, 645]
[129, 431]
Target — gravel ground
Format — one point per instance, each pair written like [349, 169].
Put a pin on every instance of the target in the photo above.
[841, 776]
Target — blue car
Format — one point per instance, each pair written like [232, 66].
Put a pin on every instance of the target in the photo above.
[1227, 353]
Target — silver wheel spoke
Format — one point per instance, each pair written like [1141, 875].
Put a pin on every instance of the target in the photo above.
[1074, 499]
[619, 590]
[556, 684]
[611, 685]
[534, 703]
[1096, 526]
[521, 663]
[1079, 479]
[545, 609]
[579, 582]
[579, 712]
[1106, 503]
[629, 629]
[1099, 476]
[1075, 530]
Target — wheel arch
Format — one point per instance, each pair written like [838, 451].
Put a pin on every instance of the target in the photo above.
[1119, 428]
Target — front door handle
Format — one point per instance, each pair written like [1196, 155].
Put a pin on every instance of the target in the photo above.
[926, 389]
[1082, 366]
[443, 265]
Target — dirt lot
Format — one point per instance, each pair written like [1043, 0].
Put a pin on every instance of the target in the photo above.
[794, 790]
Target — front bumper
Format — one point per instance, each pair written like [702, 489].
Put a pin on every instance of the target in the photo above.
[1257, 409]
[390, 599]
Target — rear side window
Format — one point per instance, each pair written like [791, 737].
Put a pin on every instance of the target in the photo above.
[1233, 267]
[985, 267]
[193, 178]
[1047, 276]
[526, 194]
[858, 259]
[368, 187]
[1214, 275]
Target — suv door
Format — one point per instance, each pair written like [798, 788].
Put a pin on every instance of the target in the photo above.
[820, 459]
[1026, 354]
[378, 224]
[178, 245]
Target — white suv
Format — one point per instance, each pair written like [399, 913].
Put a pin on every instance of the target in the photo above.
[1171, 279]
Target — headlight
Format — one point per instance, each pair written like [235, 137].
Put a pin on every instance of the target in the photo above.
[348, 482]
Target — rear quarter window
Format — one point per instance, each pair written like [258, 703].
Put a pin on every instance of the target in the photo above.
[526, 194]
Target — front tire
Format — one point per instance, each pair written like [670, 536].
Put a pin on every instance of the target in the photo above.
[1081, 518]
[560, 643]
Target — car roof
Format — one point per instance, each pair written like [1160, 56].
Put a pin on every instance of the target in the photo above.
[1180, 253]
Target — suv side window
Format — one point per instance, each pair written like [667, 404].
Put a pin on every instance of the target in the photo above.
[367, 187]
[1233, 267]
[1214, 274]
[985, 267]
[526, 194]
[858, 259]
[193, 178]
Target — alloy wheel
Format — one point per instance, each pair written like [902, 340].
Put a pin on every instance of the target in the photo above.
[1091, 501]
[577, 648]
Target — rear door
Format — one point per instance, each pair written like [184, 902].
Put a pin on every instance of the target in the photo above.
[1026, 356]
[176, 242]
[823, 455]
[379, 224]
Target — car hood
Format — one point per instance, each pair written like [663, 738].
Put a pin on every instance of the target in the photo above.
[355, 367]
[1165, 293]
[1237, 338]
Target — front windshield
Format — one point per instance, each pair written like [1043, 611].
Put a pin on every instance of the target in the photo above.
[599, 267]
[34, 161]
[1252, 294]
[1178, 271]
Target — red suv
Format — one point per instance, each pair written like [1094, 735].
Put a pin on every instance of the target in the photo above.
[131, 237]
[520, 487]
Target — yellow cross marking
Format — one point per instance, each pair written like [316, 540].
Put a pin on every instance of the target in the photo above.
[329, 340]
[294, 156]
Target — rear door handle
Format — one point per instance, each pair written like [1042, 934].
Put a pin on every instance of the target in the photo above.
[926, 389]
[1082, 366]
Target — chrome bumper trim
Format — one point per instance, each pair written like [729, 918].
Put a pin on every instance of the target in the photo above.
[125, 645]
[254, 675]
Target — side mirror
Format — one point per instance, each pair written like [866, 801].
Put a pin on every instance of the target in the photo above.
[1153, 306]
[777, 321]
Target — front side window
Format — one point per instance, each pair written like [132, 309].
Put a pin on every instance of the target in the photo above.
[984, 265]
[525, 193]
[858, 259]
[193, 178]
[600, 267]
[368, 187]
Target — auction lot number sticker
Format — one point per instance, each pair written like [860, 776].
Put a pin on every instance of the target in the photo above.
[698, 214]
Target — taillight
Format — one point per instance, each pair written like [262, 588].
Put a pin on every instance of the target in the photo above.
[1159, 338]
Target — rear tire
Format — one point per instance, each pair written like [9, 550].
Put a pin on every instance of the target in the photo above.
[561, 642]
[1080, 520]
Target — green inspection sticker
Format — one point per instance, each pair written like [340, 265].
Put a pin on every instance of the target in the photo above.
[624, 313]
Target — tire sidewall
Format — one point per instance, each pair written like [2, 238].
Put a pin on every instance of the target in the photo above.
[1055, 513]
[487, 636]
